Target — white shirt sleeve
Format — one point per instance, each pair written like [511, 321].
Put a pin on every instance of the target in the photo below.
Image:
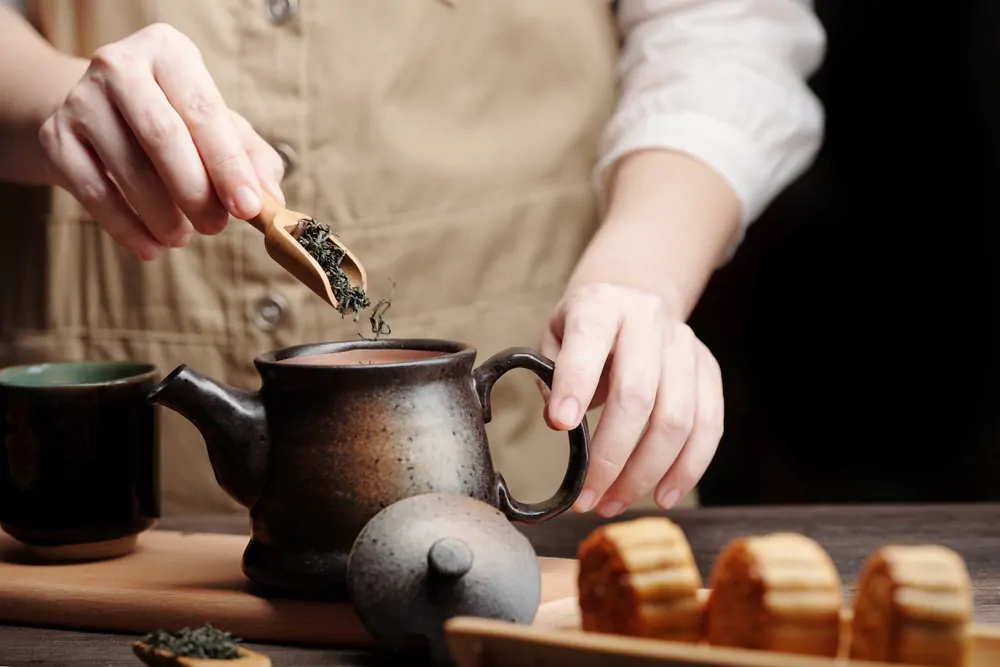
[724, 82]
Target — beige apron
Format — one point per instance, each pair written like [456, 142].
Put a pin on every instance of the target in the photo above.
[449, 142]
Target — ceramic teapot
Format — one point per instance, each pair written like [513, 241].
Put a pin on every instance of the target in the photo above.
[339, 431]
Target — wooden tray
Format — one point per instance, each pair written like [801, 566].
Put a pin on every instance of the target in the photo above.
[556, 639]
[178, 579]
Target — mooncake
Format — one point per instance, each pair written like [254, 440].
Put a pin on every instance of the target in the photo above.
[779, 592]
[913, 605]
[639, 578]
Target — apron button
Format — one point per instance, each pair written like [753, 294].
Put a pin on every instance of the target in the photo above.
[269, 312]
[289, 158]
[280, 10]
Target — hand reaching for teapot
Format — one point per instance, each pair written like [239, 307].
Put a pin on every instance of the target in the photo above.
[146, 143]
[617, 346]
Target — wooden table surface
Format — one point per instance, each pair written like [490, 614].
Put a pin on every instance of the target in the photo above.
[848, 533]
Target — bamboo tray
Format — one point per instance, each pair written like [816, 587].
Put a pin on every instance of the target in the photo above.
[175, 579]
[556, 639]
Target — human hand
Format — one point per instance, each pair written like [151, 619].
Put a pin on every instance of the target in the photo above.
[148, 146]
[617, 346]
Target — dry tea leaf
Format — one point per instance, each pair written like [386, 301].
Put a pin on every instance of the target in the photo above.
[315, 237]
[205, 642]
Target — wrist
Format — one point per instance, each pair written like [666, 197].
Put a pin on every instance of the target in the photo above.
[28, 162]
[61, 73]
[670, 221]
[35, 78]
[624, 252]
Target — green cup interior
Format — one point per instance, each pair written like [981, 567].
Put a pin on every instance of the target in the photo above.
[74, 374]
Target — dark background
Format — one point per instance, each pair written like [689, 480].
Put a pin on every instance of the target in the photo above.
[857, 327]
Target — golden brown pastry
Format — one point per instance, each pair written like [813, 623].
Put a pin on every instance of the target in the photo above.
[913, 605]
[778, 592]
[639, 578]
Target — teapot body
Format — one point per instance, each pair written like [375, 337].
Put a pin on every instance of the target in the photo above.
[352, 429]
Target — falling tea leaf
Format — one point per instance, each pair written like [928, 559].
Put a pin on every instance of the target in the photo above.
[377, 319]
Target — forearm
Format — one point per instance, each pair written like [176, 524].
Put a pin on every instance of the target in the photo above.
[34, 80]
[722, 81]
[669, 223]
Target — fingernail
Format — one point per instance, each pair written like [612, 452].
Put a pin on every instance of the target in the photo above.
[247, 202]
[585, 502]
[611, 508]
[670, 499]
[568, 412]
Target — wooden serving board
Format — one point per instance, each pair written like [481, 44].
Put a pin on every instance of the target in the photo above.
[178, 579]
[556, 639]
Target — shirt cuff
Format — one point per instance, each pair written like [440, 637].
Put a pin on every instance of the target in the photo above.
[756, 171]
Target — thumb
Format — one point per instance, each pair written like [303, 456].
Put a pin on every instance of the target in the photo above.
[266, 161]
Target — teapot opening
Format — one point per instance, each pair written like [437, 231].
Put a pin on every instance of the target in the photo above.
[400, 353]
[365, 357]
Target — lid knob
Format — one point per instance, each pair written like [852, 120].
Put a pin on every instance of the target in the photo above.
[450, 558]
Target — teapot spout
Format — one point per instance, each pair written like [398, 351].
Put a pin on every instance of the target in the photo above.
[232, 422]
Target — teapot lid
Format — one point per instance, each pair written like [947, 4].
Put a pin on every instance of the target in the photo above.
[427, 558]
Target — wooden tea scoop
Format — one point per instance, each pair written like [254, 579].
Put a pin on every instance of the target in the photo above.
[161, 658]
[281, 229]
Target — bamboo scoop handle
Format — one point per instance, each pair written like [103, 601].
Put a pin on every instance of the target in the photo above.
[270, 208]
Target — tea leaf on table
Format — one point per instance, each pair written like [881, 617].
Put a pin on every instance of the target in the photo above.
[203, 642]
[315, 238]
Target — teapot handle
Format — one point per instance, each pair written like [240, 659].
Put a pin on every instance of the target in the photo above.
[484, 377]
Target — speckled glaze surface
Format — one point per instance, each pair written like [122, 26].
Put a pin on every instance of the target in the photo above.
[445, 555]
[340, 431]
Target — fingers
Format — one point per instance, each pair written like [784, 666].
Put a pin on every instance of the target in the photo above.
[192, 92]
[148, 128]
[157, 80]
[550, 344]
[701, 445]
[588, 335]
[131, 169]
[123, 72]
[177, 159]
[635, 376]
[86, 180]
[670, 423]
[663, 412]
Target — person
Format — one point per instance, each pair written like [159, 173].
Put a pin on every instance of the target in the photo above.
[559, 174]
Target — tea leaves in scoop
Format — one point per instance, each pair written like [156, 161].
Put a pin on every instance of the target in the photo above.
[204, 642]
[315, 238]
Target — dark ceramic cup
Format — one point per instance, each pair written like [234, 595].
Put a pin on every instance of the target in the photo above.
[79, 457]
[340, 431]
